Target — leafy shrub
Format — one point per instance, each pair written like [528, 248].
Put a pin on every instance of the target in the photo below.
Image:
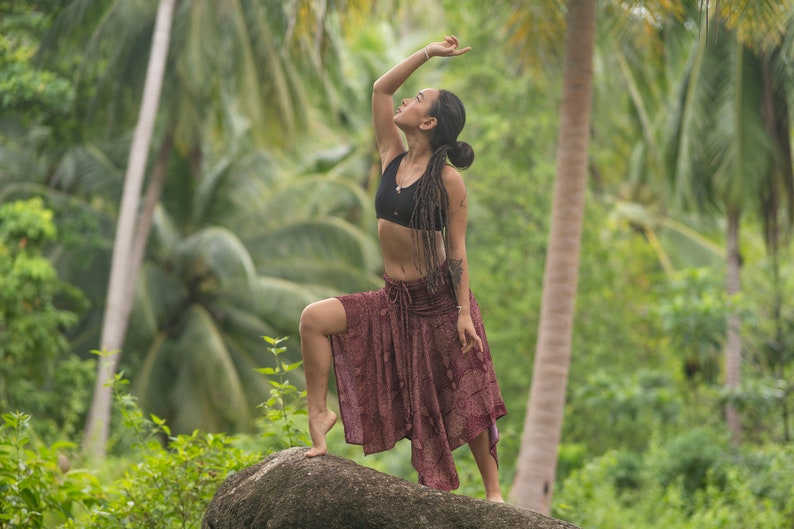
[627, 474]
[692, 482]
[163, 482]
[171, 485]
[695, 458]
[37, 489]
[570, 456]
[286, 403]
[628, 408]
[35, 364]
[169, 479]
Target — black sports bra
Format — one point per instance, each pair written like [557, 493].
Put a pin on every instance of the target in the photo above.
[398, 207]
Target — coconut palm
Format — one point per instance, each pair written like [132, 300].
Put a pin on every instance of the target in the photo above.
[537, 460]
[730, 152]
[675, 59]
[538, 23]
[535, 475]
[640, 58]
[230, 260]
[228, 72]
[123, 269]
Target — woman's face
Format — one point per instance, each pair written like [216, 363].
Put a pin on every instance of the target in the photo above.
[415, 111]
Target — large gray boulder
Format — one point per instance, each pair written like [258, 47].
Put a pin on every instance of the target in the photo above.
[289, 491]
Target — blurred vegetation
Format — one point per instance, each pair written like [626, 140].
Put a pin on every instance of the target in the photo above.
[251, 228]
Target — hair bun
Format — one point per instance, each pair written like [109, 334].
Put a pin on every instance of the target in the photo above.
[461, 154]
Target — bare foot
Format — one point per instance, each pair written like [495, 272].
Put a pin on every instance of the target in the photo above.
[496, 498]
[319, 425]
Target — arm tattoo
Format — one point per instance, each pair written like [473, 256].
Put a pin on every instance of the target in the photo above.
[456, 271]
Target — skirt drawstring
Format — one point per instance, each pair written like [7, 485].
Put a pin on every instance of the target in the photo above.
[400, 295]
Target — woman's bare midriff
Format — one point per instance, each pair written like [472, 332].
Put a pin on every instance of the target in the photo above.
[397, 246]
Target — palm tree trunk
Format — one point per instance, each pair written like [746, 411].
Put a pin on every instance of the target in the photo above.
[733, 346]
[122, 282]
[537, 461]
[780, 371]
[153, 194]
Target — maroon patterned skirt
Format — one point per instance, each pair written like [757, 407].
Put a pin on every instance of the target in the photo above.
[400, 373]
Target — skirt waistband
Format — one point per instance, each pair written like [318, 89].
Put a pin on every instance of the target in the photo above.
[414, 296]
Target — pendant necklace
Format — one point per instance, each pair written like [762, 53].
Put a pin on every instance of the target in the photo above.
[399, 186]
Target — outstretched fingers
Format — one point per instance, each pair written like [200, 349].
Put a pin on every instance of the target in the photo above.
[450, 47]
[454, 43]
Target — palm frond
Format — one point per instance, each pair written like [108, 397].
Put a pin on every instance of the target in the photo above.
[538, 29]
[153, 374]
[740, 146]
[313, 197]
[688, 125]
[338, 277]
[668, 234]
[331, 239]
[761, 25]
[165, 235]
[111, 38]
[280, 302]
[218, 252]
[237, 313]
[89, 171]
[159, 298]
[206, 391]
[209, 189]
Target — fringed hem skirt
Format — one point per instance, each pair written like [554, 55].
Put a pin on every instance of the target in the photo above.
[400, 373]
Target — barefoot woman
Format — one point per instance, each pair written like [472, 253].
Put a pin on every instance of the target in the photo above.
[411, 359]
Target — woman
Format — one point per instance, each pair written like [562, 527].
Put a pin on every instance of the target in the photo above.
[399, 369]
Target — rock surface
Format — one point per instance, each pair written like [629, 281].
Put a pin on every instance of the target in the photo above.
[288, 491]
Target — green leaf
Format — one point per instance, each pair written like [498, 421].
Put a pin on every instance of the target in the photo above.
[291, 367]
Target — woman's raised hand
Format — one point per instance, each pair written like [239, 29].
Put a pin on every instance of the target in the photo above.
[448, 48]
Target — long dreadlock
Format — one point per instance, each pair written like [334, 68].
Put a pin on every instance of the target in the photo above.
[431, 201]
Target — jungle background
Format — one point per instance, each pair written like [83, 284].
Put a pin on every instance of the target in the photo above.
[268, 168]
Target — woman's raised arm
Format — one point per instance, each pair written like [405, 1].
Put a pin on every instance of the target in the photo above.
[390, 142]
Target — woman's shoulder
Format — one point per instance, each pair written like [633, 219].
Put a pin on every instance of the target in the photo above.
[450, 175]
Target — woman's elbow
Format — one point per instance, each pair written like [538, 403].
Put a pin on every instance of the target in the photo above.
[377, 88]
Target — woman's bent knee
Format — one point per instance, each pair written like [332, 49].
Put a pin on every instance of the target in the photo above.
[324, 317]
[309, 321]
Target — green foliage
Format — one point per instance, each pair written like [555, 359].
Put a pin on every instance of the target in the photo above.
[638, 447]
[37, 489]
[24, 88]
[26, 222]
[278, 423]
[170, 486]
[693, 460]
[32, 324]
[163, 481]
[766, 394]
[167, 480]
[26, 91]
[59, 403]
[693, 312]
[624, 411]
[696, 481]
[211, 289]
